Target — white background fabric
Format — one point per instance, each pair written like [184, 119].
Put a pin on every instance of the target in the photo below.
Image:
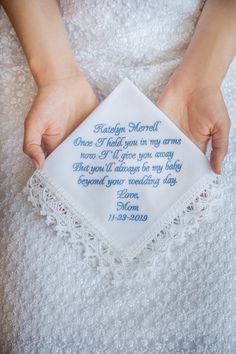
[50, 301]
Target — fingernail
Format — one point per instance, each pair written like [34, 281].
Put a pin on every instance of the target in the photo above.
[36, 164]
[222, 163]
[224, 160]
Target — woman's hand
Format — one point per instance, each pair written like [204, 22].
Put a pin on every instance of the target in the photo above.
[200, 112]
[192, 97]
[58, 108]
[64, 96]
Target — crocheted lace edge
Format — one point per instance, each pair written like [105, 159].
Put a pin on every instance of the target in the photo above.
[184, 217]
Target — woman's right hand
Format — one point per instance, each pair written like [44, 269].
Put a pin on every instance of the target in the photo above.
[64, 98]
[58, 108]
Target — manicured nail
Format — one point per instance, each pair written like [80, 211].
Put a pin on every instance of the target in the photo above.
[36, 164]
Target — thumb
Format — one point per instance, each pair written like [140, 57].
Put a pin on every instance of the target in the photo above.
[220, 143]
[32, 142]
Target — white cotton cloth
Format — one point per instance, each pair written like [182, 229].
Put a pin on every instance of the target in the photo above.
[125, 173]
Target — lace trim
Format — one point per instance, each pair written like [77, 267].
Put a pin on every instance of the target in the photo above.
[202, 199]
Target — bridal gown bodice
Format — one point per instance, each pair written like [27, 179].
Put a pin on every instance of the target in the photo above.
[50, 300]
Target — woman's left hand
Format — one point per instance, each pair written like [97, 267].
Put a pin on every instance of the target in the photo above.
[200, 112]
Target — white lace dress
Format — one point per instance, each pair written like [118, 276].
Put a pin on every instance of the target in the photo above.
[50, 300]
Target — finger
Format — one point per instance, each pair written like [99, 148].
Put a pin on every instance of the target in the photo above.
[51, 141]
[220, 141]
[32, 143]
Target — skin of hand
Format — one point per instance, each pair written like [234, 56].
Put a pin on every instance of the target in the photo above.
[58, 108]
[193, 98]
[200, 112]
[65, 97]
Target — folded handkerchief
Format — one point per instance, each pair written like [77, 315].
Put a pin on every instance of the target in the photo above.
[119, 181]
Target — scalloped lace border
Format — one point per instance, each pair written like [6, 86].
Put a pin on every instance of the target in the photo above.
[199, 203]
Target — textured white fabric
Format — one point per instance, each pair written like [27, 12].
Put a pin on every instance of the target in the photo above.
[124, 175]
[50, 301]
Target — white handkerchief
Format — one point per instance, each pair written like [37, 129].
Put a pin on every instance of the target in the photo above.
[121, 179]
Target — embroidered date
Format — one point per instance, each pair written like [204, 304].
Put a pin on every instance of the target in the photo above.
[125, 217]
